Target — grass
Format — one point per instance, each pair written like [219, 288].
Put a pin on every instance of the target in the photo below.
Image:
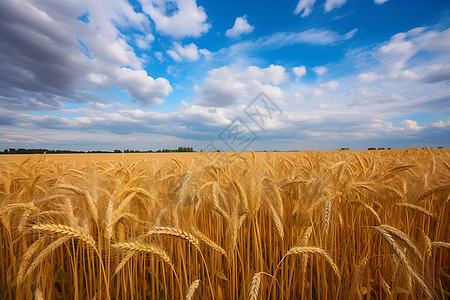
[303, 225]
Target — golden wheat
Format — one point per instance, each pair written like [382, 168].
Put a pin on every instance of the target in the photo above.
[364, 224]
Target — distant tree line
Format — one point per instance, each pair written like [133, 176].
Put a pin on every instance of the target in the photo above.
[42, 151]
[36, 151]
[179, 149]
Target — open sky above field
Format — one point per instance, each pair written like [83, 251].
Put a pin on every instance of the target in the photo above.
[143, 74]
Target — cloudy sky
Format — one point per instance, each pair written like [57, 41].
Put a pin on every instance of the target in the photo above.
[281, 75]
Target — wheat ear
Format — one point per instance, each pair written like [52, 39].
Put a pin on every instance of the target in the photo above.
[277, 221]
[43, 255]
[254, 286]
[24, 264]
[440, 244]
[359, 271]
[401, 258]
[145, 248]
[417, 209]
[202, 237]
[369, 208]
[400, 235]
[191, 290]
[386, 287]
[301, 250]
[175, 232]
[67, 231]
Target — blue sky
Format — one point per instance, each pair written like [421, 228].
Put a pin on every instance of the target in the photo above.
[152, 74]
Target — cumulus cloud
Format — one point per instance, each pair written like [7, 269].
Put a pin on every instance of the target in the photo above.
[33, 67]
[50, 53]
[305, 6]
[332, 4]
[144, 88]
[299, 71]
[410, 125]
[188, 52]
[225, 86]
[320, 70]
[177, 18]
[380, 1]
[241, 26]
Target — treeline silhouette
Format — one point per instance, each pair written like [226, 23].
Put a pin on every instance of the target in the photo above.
[42, 151]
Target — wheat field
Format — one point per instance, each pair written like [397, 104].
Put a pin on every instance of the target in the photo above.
[291, 225]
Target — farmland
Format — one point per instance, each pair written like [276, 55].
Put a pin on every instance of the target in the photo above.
[265, 225]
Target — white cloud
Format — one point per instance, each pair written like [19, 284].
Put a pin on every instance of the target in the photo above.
[441, 123]
[401, 58]
[159, 55]
[144, 42]
[297, 98]
[305, 5]
[330, 85]
[380, 1]
[413, 66]
[350, 34]
[363, 94]
[144, 88]
[299, 71]
[311, 36]
[397, 53]
[188, 52]
[332, 4]
[241, 26]
[225, 86]
[105, 106]
[92, 48]
[319, 70]
[186, 19]
[369, 77]
[410, 125]
[206, 53]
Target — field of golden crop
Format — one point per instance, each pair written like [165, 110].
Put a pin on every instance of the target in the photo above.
[298, 225]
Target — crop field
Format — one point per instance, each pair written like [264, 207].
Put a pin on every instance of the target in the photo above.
[265, 225]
